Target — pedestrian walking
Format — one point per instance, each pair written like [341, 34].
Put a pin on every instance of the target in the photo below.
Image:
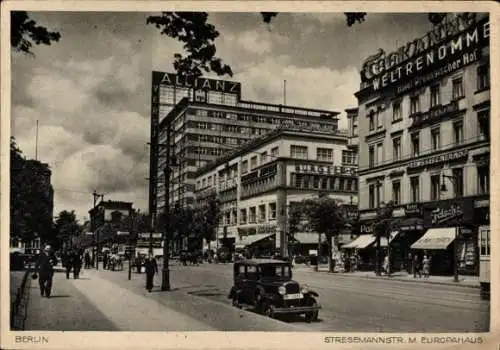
[87, 259]
[77, 264]
[426, 262]
[386, 264]
[67, 263]
[45, 268]
[416, 267]
[409, 263]
[151, 269]
[105, 260]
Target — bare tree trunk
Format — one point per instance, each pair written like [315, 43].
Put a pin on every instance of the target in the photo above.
[377, 256]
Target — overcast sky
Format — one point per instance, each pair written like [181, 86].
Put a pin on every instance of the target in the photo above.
[90, 91]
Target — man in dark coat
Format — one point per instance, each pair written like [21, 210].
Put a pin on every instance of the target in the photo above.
[45, 268]
[151, 270]
[66, 262]
[87, 259]
[77, 263]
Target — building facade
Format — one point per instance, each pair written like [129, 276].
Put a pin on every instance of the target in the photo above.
[424, 138]
[201, 121]
[257, 183]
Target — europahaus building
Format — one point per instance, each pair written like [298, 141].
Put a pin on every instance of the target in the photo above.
[259, 182]
[204, 119]
[424, 142]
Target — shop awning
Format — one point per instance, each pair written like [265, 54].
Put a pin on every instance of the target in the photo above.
[364, 241]
[248, 240]
[361, 242]
[307, 237]
[436, 238]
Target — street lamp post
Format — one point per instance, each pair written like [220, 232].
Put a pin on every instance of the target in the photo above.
[453, 179]
[170, 161]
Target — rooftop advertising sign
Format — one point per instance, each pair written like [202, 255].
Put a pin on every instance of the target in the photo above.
[454, 43]
[171, 79]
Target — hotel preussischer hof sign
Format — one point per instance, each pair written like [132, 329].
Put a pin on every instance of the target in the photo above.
[446, 48]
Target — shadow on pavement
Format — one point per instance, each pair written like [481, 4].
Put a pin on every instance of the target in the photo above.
[60, 296]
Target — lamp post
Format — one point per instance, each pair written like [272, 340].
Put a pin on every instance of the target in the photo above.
[170, 161]
[443, 188]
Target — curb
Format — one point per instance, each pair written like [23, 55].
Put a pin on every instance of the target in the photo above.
[456, 284]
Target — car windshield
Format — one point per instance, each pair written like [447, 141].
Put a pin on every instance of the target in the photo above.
[275, 271]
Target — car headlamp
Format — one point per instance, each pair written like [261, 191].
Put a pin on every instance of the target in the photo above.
[282, 290]
[304, 289]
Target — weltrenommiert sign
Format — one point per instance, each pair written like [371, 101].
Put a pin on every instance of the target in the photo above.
[448, 47]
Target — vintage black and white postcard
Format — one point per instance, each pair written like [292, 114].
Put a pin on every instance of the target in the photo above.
[249, 174]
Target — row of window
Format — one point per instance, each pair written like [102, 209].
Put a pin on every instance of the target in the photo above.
[324, 182]
[171, 95]
[262, 119]
[375, 151]
[375, 120]
[483, 187]
[258, 214]
[262, 158]
[323, 154]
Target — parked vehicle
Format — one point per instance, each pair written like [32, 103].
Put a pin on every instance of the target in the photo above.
[267, 285]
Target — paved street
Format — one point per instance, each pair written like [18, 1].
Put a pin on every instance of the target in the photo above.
[106, 300]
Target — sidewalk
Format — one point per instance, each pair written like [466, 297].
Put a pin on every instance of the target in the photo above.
[464, 281]
[107, 301]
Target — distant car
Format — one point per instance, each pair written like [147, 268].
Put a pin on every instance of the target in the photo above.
[267, 285]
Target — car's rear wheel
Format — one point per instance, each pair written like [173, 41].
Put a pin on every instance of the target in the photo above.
[313, 315]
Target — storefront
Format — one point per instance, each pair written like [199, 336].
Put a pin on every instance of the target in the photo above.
[406, 230]
[450, 230]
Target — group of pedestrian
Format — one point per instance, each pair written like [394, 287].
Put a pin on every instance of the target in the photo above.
[419, 267]
[351, 261]
[72, 260]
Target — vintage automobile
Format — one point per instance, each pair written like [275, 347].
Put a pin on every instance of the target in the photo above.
[267, 285]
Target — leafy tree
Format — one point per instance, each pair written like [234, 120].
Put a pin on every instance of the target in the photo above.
[206, 218]
[31, 202]
[198, 37]
[66, 227]
[382, 229]
[24, 32]
[326, 216]
[295, 214]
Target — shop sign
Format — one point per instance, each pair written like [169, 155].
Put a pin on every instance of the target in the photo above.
[413, 209]
[351, 212]
[171, 79]
[434, 114]
[325, 169]
[446, 42]
[366, 228]
[266, 229]
[483, 203]
[146, 235]
[440, 215]
[442, 158]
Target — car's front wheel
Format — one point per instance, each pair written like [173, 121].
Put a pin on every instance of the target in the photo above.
[268, 309]
[312, 315]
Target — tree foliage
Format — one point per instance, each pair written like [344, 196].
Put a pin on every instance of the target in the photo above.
[326, 216]
[66, 226]
[382, 227]
[198, 36]
[31, 202]
[24, 31]
[206, 218]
